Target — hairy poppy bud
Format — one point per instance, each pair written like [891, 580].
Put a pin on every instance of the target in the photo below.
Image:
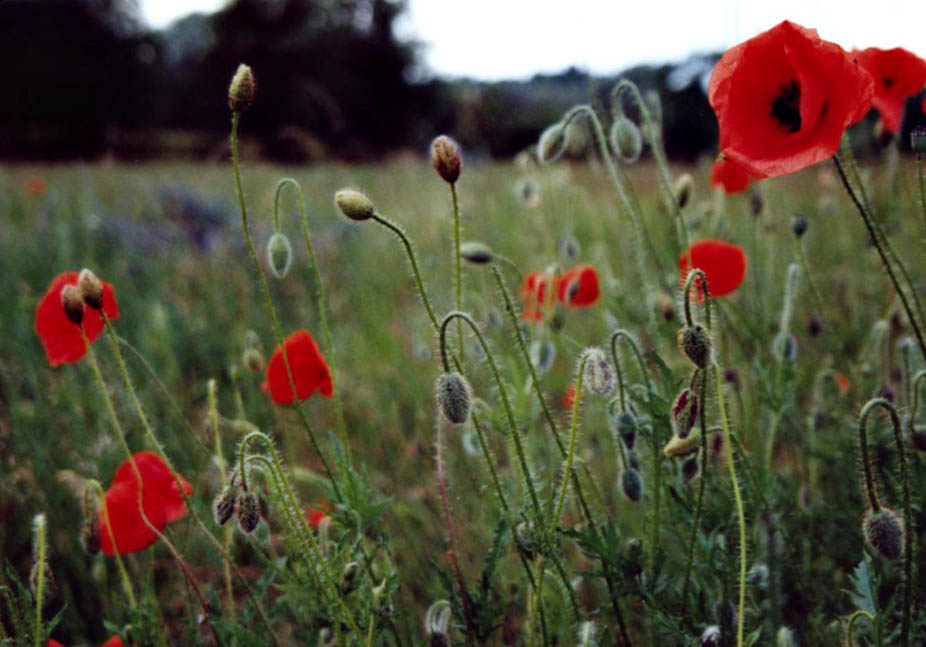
[678, 446]
[223, 507]
[354, 204]
[90, 535]
[918, 140]
[91, 290]
[598, 373]
[799, 224]
[684, 413]
[72, 303]
[684, 187]
[253, 359]
[279, 254]
[349, 577]
[711, 637]
[625, 425]
[689, 469]
[241, 90]
[758, 576]
[543, 353]
[696, 343]
[476, 252]
[632, 485]
[453, 397]
[784, 346]
[552, 143]
[884, 530]
[247, 512]
[626, 140]
[446, 158]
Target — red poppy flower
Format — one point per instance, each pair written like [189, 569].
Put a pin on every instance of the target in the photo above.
[784, 98]
[114, 641]
[162, 501]
[724, 265]
[54, 643]
[60, 336]
[316, 514]
[730, 175]
[568, 398]
[578, 288]
[533, 292]
[35, 186]
[310, 370]
[897, 75]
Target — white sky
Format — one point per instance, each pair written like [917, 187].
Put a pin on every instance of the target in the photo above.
[499, 39]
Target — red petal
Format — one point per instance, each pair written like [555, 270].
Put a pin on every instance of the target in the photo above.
[724, 265]
[309, 368]
[114, 641]
[582, 281]
[729, 175]
[897, 74]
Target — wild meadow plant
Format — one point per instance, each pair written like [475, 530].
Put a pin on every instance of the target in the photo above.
[662, 453]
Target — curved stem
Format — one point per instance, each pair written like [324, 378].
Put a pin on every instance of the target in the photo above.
[705, 290]
[919, 377]
[412, 259]
[94, 485]
[858, 613]
[615, 337]
[921, 177]
[320, 302]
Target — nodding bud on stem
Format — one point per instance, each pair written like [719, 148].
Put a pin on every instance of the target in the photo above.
[598, 373]
[241, 90]
[253, 359]
[784, 347]
[918, 140]
[446, 158]
[696, 343]
[72, 303]
[799, 224]
[247, 512]
[626, 140]
[476, 252]
[552, 143]
[632, 485]
[543, 354]
[684, 412]
[354, 204]
[91, 290]
[279, 254]
[437, 623]
[90, 536]
[684, 187]
[223, 507]
[626, 427]
[884, 530]
[711, 637]
[453, 397]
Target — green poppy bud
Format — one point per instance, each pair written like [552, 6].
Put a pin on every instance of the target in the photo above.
[354, 204]
[279, 254]
[626, 140]
[453, 397]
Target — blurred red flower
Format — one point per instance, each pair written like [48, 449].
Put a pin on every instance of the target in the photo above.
[568, 398]
[533, 291]
[60, 336]
[316, 514]
[54, 643]
[114, 641]
[162, 501]
[730, 175]
[35, 186]
[724, 264]
[897, 75]
[784, 98]
[578, 287]
[309, 368]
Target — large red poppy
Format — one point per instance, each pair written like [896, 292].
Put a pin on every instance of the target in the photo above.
[60, 336]
[533, 292]
[784, 98]
[897, 74]
[162, 501]
[729, 175]
[724, 265]
[310, 370]
[578, 287]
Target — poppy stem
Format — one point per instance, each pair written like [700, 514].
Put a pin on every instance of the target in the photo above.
[39, 558]
[686, 296]
[702, 415]
[615, 337]
[92, 485]
[818, 301]
[320, 302]
[268, 304]
[850, 625]
[921, 177]
[458, 295]
[211, 388]
[907, 506]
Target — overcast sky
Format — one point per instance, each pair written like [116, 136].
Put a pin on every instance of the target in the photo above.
[498, 39]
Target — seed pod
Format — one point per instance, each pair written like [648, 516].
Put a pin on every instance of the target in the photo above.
[354, 204]
[279, 254]
[689, 469]
[684, 413]
[625, 426]
[453, 397]
[632, 485]
[799, 224]
[684, 187]
[91, 290]
[552, 143]
[598, 373]
[247, 512]
[696, 343]
[446, 158]
[626, 140]
[476, 252]
[884, 531]
[72, 303]
[242, 89]
[223, 507]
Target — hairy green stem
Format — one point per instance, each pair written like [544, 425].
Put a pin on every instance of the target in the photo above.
[39, 557]
[850, 625]
[94, 486]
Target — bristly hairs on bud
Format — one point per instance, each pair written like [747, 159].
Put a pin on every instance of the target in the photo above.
[247, 512]
[884, 531]
[279, 254]
[552, 143]
[354, 204]
[242, 89]
[626, 140]
[437, 621]
[598, 373]
[453, 397]
[684, 187]
[632, 485]
[684, 412]
[223, 506]
[73, 304]
[91, 289]
[695, 341]
[446, 158]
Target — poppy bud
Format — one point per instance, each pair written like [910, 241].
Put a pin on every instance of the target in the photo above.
[446, 158]
[914, 434]
[598, 373]
[91, 290]
[689, 469]
[784, 347]
[552, 143]
[354, 204]
[799, 224]
[918, 140]
[543, 353]
[684, 413]
[72, 303]
[570, 249]
[349, 577]
[453, 397]
[626, 140]
[696, 343]
[678, 446]
[223, 507]
[625, 425]
[90, 535]
[758, 576]
[633, 460]
[711, 637]
[784, 638]
[437, 619]
[476, 252]
[253, 359]
[247, 512]
[684, 186]
[632, 485]
[241, 90]
[279, 254]
[884, 531]
[633, 550]
[886, 391]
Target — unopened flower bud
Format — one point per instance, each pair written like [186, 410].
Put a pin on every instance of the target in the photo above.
[354, 204]
[598, 373]
[799, 224]
[785, 638]
[253, 359]
[72, 303]
[632, 485]
[689, 469]
[633, 550]
[247, 512]
[696, 343]
[552, 143]
[884, 530]
[684, 413]
[279, 254]
[91, 290]
[349, 577]
[784, 346]
[626, 140]
[223, 507]
[446, 158]
[914, 434]
[476, 252]
[918, 140]
[570, 248]
[626, 428]
[711, 637]
[684, 187]
[453, 397]
[241, 90]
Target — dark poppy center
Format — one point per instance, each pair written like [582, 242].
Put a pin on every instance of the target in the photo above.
[786, 107]
[888, 82]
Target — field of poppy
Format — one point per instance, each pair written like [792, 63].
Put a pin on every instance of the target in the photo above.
[582, 398]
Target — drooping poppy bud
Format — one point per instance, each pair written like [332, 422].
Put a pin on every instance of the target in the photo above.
[476, 252]
[73, 304]
[247, 512]
[626, 140]
[799, 224]
[354, 204]
[91, 289]
[684, 413]
[696, 343]
[884, 530]
[552, 143]
[626, 428]
[598, 374]
[632, 485]
[279, 254]
[453, 397]
[684, 187]
[223, 507]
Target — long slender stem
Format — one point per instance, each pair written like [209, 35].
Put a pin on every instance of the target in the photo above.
[702, 413]
[458, 269]
[818, 301]
[921, 181]
[94, 485]
[850, 625]
[39, 557]
[223, 477]
[412, 259]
